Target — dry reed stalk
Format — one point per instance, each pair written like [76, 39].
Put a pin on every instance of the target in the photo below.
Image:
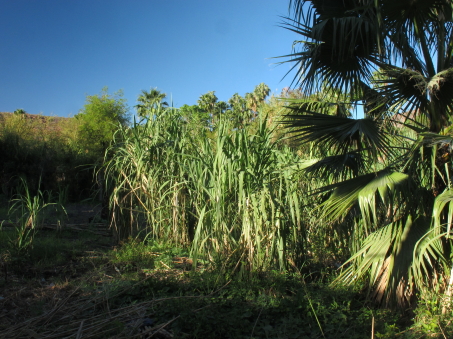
[69, 320]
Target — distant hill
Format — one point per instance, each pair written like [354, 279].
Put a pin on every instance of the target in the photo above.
[41, 117]
[49, 123]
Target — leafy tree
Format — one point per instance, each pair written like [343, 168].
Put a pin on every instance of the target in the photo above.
[261, 92]
[390, 171]
[150, 102]
[237, 103]
[252, 101]
[209, 103]
[221, 107]
[99, 119]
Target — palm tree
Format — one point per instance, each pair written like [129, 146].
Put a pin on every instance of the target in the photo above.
[237, 103]
[207, 102]
[389, 172]
[150, 102]
[261, 92]
[257, 97]
[252, 101]
[238, 112]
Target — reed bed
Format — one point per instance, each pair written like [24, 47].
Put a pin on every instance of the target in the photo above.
[233, 196]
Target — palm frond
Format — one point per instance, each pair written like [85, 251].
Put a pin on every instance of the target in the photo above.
[386, 257]
[321, 105]
[432, 139]
[430, 262]
[375, 104]
[407, 88]
[343, 44]
[419, 24]
[337, 167]
[440, 88]
[442, 217]
[363, 190]
[338, 133]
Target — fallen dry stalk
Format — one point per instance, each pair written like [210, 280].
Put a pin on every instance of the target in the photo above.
[69, 319]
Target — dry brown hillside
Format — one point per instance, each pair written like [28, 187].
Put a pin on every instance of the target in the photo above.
[49, 123]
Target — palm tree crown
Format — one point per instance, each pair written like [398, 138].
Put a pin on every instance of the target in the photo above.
[150, 101]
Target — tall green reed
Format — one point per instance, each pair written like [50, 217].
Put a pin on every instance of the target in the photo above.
[232, 195]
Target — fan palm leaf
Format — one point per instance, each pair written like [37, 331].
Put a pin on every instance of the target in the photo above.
[386, 259]
[342, 45]
[339, 133]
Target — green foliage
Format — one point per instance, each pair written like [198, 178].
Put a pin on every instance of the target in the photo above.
[101, 116]
[207, 102]
[234, 199]
[257, 97]
[29, 210]
[195, 117]
[388, 174]
[268, 306]
[19, 111]
[42, 149]
[135, 251]
[149, 102]
[206, 303]
[240, 111]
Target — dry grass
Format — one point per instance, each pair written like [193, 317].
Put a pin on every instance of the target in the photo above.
[72, 313]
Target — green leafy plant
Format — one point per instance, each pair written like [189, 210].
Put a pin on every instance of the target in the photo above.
[99, 119]
[27, 210]
[389, 173]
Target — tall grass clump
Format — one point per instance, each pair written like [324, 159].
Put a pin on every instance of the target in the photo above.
[232, 196]
[27, 209]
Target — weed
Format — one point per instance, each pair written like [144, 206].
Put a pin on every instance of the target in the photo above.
[29, 209]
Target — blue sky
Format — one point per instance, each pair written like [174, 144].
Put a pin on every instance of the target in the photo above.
[55, 52]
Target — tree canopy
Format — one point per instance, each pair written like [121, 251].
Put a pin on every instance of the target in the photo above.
[100, 118]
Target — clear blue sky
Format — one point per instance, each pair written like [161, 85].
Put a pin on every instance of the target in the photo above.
[55, 52]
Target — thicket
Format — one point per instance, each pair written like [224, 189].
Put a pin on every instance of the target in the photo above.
[234, 195]
[59, 154]
[390, 171]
